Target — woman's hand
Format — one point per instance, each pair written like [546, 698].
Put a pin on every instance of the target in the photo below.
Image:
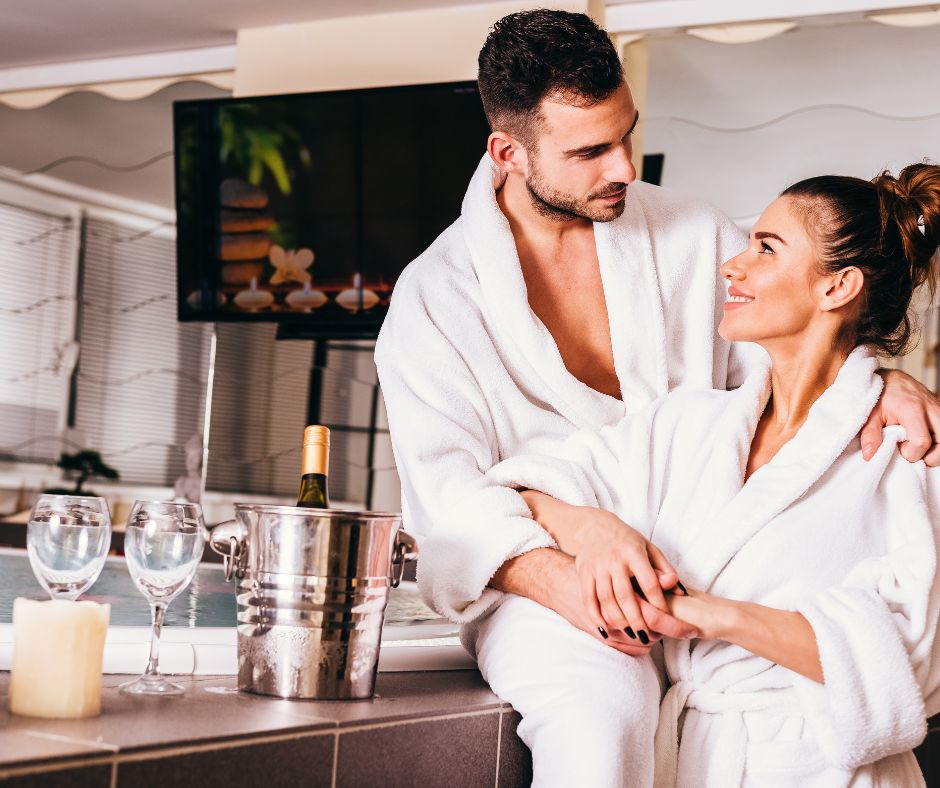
[619, 572]
[780, 636]
[568, 604]
[706, 613]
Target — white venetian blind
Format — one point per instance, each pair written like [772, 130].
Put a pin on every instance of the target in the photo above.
[38, 265]
[141, 375]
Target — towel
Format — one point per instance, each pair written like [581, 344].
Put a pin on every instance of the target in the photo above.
[471, 376]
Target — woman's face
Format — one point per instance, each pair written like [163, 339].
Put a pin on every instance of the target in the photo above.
[774, 286]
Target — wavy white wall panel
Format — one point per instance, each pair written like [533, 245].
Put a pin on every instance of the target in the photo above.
[885, 70]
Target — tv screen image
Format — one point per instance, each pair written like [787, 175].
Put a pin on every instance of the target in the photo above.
[305, 208]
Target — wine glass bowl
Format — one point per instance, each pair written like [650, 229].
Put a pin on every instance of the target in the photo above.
[162, 556]
[67, 541]
[163, 543]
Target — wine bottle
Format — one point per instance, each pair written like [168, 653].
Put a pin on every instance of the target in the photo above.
[315, 467]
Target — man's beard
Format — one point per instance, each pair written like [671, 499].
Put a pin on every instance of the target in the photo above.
[565, 208]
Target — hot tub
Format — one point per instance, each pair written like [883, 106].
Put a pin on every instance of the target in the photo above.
[199, 630]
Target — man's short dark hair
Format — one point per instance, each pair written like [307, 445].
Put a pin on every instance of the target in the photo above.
[531, 55]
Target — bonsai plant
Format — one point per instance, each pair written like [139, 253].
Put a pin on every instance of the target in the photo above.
[82, 466]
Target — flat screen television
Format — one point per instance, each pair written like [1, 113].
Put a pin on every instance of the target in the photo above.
[305, 208]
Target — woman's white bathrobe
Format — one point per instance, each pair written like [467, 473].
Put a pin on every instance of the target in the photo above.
[852, 545]
[471, 376]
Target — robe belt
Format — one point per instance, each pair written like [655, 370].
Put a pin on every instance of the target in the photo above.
[732, 737]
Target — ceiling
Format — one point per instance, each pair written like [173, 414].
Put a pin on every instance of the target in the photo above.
[55, 31]
[38, 32]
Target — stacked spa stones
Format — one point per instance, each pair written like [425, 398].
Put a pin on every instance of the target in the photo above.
[244, 242]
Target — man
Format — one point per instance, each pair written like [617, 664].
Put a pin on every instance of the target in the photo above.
[565, 297]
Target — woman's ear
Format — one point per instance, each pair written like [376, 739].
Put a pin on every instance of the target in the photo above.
[507, 152]
[842, 287]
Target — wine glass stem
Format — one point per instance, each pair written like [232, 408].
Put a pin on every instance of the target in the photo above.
[157, 611]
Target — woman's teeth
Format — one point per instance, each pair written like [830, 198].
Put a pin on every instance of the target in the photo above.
[739, 299]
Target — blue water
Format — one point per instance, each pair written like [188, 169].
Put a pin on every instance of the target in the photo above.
[207, 602]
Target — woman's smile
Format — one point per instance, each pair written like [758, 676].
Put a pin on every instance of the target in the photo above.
[737, 299]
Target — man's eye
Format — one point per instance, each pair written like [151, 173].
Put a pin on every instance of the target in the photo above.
[589, 155]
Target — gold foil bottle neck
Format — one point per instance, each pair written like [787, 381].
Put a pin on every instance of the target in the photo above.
[316, 450]
[316, 433]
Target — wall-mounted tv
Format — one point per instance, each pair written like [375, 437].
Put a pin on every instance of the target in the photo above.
[305, 208]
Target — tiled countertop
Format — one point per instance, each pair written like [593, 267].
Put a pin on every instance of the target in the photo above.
[423, 729]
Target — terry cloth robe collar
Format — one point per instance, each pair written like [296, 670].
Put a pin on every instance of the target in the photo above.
[738, 513]
[631, 289]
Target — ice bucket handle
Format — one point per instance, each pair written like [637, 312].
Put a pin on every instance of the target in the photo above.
[228, 540]
[406, 549]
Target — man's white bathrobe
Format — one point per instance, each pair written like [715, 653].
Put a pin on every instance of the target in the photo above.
[852, 545]
[471, 376]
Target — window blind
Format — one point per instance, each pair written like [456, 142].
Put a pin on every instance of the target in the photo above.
[38, 265]
[141, 375]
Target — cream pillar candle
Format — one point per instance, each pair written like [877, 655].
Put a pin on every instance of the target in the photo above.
[57, 651]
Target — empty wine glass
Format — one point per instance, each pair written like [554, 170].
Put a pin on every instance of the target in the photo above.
[163, 544]
[67, 540]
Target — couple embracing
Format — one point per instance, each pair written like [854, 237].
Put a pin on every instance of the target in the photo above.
[687, 522]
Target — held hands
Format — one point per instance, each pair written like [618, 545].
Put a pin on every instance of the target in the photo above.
[567, 603]
[621, 579]
[614, 587]
[708, 614]
[908, 403]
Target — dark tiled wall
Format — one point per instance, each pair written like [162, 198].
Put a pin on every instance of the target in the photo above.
[306, 761]
[79, 777]
[439, 728]
[456, 751]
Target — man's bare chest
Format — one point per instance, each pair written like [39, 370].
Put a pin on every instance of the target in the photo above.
[567, 295]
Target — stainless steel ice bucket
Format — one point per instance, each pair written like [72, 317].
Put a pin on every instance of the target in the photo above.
[312, 589]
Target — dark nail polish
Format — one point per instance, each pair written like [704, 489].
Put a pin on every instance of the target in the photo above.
[681, 588]
[630, 633]
[644, 638]
[603, 632]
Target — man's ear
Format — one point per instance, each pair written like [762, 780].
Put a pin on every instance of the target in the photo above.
[842, 288]
[507, 153]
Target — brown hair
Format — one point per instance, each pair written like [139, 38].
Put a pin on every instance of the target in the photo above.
[531, 55]
[888, 228]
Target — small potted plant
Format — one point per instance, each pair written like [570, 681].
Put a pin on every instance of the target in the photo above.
[80, 467]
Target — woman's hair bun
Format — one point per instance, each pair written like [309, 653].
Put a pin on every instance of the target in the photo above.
[888, 228]
[911, 203]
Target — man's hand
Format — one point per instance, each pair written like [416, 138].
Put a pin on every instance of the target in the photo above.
[913, 406]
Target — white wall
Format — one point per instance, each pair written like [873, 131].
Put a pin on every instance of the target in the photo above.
[892, 71]
[401, 48]
[864, 97]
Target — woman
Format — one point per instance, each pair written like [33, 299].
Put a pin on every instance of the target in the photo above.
[811, 574]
